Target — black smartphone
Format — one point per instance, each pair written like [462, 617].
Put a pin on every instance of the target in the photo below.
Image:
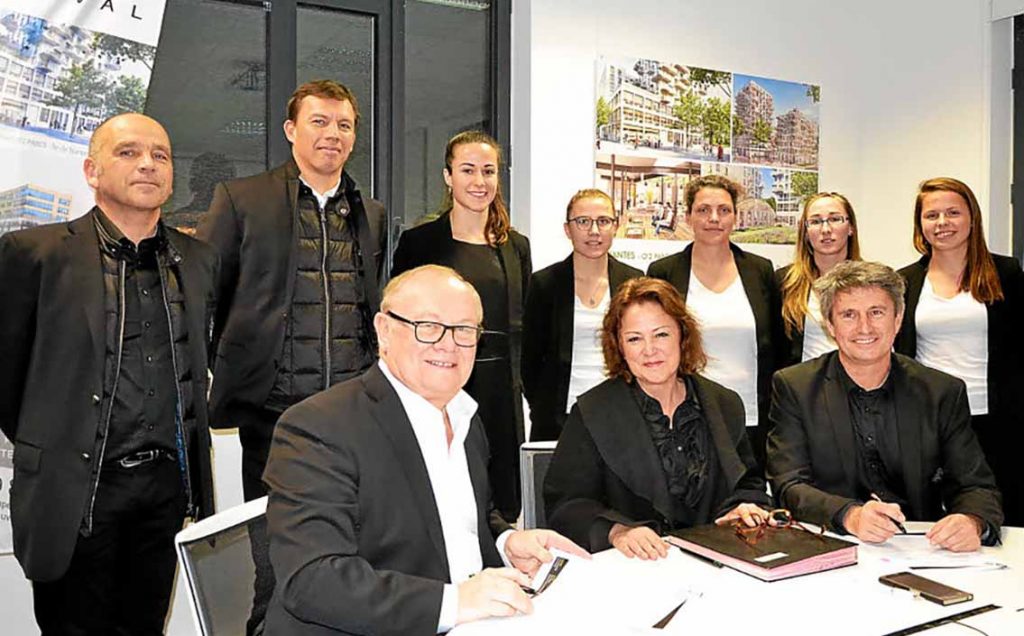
[932, 590]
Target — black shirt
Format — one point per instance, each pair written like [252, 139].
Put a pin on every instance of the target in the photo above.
[481, 266]
[688, 457]
[876, 435]
[144, 403]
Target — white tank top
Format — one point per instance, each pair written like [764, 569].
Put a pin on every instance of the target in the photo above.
[816, 340]
[730, 339]
[587, 356]
[952, 336]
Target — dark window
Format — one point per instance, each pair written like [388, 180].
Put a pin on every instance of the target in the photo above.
[209, 91]
[421, 70]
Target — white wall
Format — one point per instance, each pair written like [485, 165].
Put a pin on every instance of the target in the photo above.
[906, 93]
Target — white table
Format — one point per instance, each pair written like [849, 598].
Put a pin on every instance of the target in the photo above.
[616, 595]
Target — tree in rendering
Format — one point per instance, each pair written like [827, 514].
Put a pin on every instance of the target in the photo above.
[762, 131]
[804, 184]
[715, 122]
[82, 88]
[122, 50]
[127, 95]
[688, 111]
[706, 78]
[603, 115]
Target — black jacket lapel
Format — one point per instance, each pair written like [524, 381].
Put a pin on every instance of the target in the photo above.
[753, 287]
[729, 460]
[514, 279]
[680, 275]
[617, 274]
[838, 407]
[565, 308]
[476, 459]
[634, 460]
[908, 430]
[287, 224]
[88, 278]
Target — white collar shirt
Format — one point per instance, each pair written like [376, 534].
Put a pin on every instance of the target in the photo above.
[322, 198]
[448, 471]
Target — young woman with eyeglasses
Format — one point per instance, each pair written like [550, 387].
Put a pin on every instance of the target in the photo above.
[474, 237]
[963, 316]
[567, 301]
[733, 295]
[826, 235]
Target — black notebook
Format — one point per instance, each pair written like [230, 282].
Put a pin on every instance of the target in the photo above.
[775, 554]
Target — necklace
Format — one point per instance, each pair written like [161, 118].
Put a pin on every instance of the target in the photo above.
[592, 297]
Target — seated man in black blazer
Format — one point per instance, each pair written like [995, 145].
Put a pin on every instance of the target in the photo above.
[864, 438]
[379, 509]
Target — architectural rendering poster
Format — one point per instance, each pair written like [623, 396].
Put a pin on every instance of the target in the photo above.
[64, 67]
[660, 123]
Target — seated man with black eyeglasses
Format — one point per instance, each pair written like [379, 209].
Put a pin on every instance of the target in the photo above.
[379, 508]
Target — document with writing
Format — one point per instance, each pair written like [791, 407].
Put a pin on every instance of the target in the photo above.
[602, 596]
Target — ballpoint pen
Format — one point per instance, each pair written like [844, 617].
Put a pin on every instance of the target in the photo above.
[898, 524]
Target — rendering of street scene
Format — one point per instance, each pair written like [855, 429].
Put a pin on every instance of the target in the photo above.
[60, 81]
[648, 195]
[775, 122]
[663, 109]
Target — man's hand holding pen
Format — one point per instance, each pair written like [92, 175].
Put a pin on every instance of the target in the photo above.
[875, 521]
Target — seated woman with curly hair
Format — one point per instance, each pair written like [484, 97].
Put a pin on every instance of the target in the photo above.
[656, 446]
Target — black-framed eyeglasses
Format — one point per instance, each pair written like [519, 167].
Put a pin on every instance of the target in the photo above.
[430, 332]
[587, 222]
[834, 220]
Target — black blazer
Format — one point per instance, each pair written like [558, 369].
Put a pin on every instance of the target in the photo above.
[252, 223]
[1005, 344]
[758, 278]
[355, 536]
[812, 455]
[432, 243]
[52, 355]
[606, 469]
[547, 341]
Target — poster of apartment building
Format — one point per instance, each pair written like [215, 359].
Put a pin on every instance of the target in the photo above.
[64, 67]
[775, 122]
[58, 81]
[663, 109]
[659, 124]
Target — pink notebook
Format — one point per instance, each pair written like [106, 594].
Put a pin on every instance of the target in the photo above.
[781, 553]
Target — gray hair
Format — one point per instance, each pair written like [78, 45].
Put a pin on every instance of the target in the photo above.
[856, 275]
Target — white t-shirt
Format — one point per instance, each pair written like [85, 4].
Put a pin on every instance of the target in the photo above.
[816, 340]
[952, 336]
[730, 339]
[587, 356]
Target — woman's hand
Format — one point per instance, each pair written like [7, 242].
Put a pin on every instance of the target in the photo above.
[752, 515]
[640, 541]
